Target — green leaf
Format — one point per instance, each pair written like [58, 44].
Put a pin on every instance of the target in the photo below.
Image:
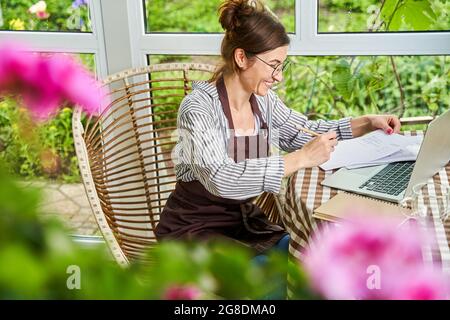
[342, 79]
[342, 107]
[433, 106]
[409, 14]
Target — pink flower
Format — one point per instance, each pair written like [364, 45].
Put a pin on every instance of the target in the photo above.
[181, 292]
[75, 83]
[422, 283]
[371, 258]
[42, 15]
[14, 62]
[45, 83]
[40, 10]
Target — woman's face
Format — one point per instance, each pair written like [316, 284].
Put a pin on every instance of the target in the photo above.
[257, 76]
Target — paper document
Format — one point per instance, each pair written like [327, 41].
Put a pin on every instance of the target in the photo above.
[408, 153]
[374, 148]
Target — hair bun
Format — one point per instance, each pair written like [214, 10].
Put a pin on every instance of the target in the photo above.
[233, 12]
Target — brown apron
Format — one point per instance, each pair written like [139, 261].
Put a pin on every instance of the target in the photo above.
[193, 213]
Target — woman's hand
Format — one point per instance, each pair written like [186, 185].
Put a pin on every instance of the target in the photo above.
[388, 123]
[318, 150]
[365, 124]
[313, 153]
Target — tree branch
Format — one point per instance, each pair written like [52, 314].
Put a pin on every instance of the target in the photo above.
[397, 5]
[402, 92]
[313, 88]
[378, 15]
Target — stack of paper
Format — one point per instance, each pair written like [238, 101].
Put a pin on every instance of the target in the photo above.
[373, 149]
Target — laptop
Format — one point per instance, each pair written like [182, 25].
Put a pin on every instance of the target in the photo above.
[394, 181]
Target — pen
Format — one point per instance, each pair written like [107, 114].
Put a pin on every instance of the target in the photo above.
[308, 131]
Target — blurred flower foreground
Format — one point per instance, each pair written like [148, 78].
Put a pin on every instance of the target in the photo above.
[45, 83]
[372, 257]
[366, 259]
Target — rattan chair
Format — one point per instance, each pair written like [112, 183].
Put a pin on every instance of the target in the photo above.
[124, 154]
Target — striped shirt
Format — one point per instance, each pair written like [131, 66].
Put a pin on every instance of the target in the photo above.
[201, 151]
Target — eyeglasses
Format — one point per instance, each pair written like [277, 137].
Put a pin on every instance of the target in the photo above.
[281, 67]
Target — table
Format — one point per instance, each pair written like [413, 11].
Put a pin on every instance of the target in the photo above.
[304, 193]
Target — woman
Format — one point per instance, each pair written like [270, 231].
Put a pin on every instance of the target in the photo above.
[226, 126]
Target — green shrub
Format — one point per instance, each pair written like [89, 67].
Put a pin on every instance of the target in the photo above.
[32, 151]
[333, 87]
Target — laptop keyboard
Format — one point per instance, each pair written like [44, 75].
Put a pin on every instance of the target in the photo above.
[392, 180]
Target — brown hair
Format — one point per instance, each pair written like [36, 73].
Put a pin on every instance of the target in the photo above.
[250, 26]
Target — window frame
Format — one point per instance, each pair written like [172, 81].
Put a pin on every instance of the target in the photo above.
[119, 39]
[306, 40]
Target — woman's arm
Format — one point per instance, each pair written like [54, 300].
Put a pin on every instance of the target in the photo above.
[288, 138]
[285, 121]
[313, 153]
[201, 150]
[365, 124]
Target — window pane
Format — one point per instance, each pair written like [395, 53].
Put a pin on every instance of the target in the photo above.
[201, 16]
[383, 16]
[49, 15]
[335, 87]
